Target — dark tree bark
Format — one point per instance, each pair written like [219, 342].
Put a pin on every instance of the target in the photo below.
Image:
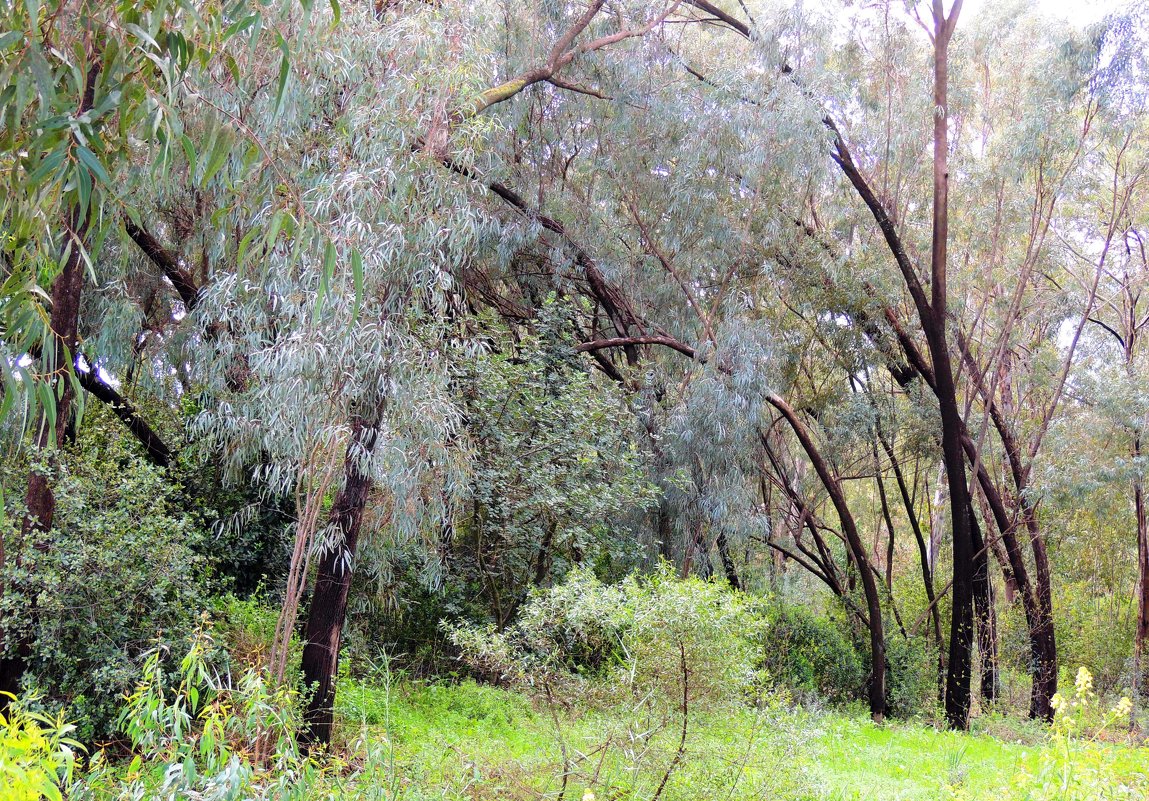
[328, 609]
[986, 616]
[168, 263]
[728, 561]
[543, 559]
[1141, 635]
[889, 524]
[961, 623]
[158, 453]
[877, 692]
[663, 528]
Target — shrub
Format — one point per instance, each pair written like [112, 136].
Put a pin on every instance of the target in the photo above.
[640, 637]
[37, 756]
[811, 655]
[1096, 630]
[119, 527]
[913, 676]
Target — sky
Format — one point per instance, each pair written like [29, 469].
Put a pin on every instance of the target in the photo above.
[1079, 12]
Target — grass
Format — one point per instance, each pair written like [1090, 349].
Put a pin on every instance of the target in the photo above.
[467, 741]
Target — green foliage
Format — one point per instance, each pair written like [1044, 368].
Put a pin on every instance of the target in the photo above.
[1087, 635]
[653, 637]
[246, 627]
[85, 93]
[913, 676]
[811, 654]
[209, 726]
[554, 466]
[123, 572]
[246, 542]
[37, 753]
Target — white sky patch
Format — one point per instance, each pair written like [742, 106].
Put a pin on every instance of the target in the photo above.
[1078, 12]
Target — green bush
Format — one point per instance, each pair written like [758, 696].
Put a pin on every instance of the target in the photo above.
[1095, 630]
[120, 575]
[912, 681]
[812, 655]
[37, 755]
[655, 637]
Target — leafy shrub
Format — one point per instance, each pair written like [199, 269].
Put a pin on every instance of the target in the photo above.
[120, 574]
[812, 655]
[247, 627]
[912, 680]
[37, 756]
[197, 732]
[642, 637]
[1087, 635]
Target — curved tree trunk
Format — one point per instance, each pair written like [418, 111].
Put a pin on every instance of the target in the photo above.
[332, 584]
[857, 548]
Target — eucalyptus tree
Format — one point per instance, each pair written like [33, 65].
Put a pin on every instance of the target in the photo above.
[87, 91]
[554, 466]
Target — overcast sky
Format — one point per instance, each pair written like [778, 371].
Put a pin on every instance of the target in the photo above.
[1080, 12]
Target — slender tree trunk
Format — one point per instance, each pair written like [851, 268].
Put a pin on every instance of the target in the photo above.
[986, 617]
[923, 557]
[1042, 634]
[856, 547]
[664, 530]
[937, 516]
[1142, 632]
[961, 621]
[332, 583]
[543, 560]
[889, 525]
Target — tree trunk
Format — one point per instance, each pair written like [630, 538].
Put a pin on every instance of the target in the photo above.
[961, 621]
[1142, 632]
[728, 561]
[877, 693]
[985, 615]
[937, 517]
[543, 559]
[1043, 636]
[64, 321]
[332, 584]
[924, 558]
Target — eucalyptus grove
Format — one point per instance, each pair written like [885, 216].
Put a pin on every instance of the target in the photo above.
[498, 290]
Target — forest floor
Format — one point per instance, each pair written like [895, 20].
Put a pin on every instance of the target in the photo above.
[468, 741]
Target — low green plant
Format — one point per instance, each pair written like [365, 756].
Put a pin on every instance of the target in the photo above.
[661, 652]
[37, 753]
[204, 734]
[1079, 765]
[640, 636]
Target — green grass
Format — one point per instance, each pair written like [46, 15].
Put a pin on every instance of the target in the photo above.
[468, 741]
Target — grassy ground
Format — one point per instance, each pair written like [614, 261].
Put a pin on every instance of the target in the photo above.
[474, 742]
